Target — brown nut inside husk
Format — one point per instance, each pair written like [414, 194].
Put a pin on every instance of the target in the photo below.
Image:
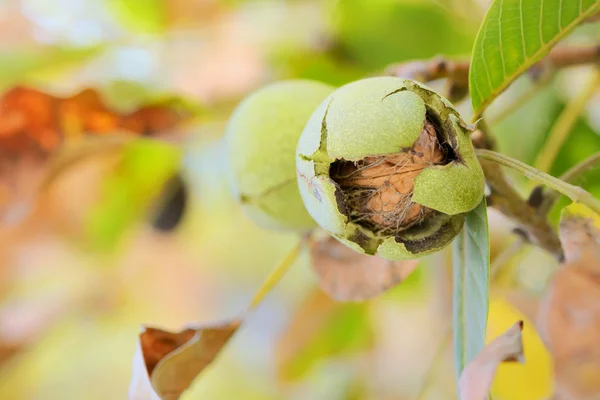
[387, 167]
[378, 190]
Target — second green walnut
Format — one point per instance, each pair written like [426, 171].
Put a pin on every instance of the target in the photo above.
[386, 166]
[260, 148]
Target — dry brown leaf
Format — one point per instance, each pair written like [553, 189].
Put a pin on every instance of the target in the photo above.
[477, 377]
[35, 125]
[34, 121]
[580, 235]
[569, 318]
[347, 275]
[168, 362]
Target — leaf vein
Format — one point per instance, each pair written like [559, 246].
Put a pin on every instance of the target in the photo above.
[523, 44]
[500, 39]
[542, 23]
[560, 4]
[543, 48]
[485, 66]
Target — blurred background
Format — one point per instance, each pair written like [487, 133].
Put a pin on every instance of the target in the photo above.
[70, 315]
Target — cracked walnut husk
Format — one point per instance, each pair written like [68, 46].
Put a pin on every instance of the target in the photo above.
[387, 167]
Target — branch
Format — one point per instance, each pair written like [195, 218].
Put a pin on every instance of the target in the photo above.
[575, 193]
[532, 227]
[563, 57]
[457, 72]
[506, 200]
[545, 202]
[276, 275]
[592, 19]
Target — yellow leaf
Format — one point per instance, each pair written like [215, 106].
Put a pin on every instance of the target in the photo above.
[532, 380]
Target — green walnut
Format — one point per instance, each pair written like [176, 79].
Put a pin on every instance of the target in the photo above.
[260, 148]
[386, 165]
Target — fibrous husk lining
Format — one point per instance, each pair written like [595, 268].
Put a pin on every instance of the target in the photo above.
[378, 190]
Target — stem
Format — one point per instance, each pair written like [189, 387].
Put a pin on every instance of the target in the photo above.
[592, 19]
[564, 124]
[431, 70]
[276, 275]
[562, 57]
[571, 176]
[457, 71]
[505, 199]
[576, 171]
[441, 67]
[575, 193]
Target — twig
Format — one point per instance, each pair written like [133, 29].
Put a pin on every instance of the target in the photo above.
[276, 275]
[576, 171]
[575, 193]
[457, 71]
[564, 124]
[506, 200]
[592, 19]
[431, 70]
[563, 57]
[571, 176]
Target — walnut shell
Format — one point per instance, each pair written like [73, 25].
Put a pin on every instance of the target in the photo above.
[387, 167]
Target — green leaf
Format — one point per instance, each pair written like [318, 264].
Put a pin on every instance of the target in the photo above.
[471, 261]
[514, 35]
